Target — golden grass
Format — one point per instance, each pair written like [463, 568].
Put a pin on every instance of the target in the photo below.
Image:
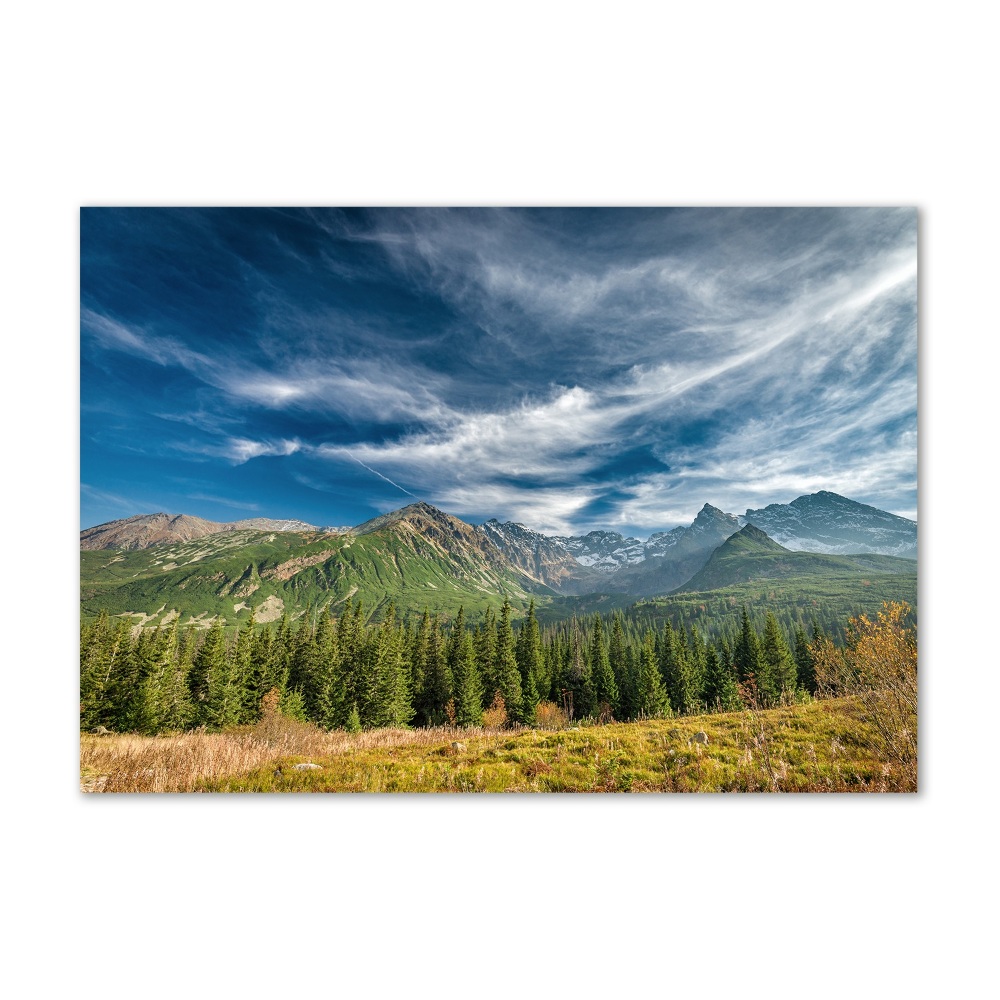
[186, 762]
[823, 746]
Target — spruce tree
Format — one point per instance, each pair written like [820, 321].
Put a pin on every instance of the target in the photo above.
[580, 679]
[779, 673]
[622, 667]
[651, 696]
[209, 659]
[805, 665]
[102, 648]
[676, 669]
[178, 709]
[391, 703]
[530, 662]
[485, 642]
[127, 689]
[247, 672]
[721, 691]
[437, 678]
[468, 688]
[605, 686]
[748, 658]
[419, 669]
[508, 679]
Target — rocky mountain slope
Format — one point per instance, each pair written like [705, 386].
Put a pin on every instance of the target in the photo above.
[542, 558]
[415, 558]
[145, 530]
[420, 556]
[827, 522]
[750, 555]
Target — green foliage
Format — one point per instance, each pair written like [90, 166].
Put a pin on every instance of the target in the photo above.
[468, 688]
[652, 699]
[778, 672]
[605, 685]
[214, 575]
[384, 673]
[505, 672]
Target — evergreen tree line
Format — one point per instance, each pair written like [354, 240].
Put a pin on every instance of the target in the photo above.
[349, 673]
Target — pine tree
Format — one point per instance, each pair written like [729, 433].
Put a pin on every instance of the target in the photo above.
[580, 679]
[508, 679]
[678, 674]
[652, 700]
[437, 679]
[530, 663]
[221, 708]
[721, 691]
[748, 658]
[779, 672]
[468, 688]
[805, 666]
[605, 686]
[485, 642]
[622, 668]
[208, 660]
[391, 702]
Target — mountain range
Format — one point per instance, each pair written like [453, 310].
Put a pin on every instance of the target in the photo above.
[152, 565]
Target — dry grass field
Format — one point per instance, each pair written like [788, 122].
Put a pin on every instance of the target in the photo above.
[825, 746]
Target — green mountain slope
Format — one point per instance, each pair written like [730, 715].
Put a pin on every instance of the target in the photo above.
[750, 555]
[421, 559]
[752, 570]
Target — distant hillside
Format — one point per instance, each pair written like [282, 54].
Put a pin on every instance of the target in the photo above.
[151, 565]
[750, 555]
[543, 558]
[829, 523]
[146, 530]
[416, 558]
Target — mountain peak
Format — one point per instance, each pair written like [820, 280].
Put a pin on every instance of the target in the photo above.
[752, 534]
[418, 511]
[829, 523]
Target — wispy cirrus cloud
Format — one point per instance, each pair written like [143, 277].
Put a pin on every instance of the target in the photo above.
[569, 369]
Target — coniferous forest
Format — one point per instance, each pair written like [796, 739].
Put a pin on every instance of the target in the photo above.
[352, 672]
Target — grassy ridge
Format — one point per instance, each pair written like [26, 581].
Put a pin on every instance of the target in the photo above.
[821, 746]
[302, 570]
[829, 599]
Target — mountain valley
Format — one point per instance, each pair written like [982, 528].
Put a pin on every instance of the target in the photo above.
[159, 567]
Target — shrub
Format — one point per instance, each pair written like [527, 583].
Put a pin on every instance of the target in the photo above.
[495, 717]
[548, 715]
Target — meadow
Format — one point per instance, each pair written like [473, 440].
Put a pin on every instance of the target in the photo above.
[822, 746]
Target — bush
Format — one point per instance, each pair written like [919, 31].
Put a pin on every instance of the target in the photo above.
[548, 715]
[879, 669]
[495, 717]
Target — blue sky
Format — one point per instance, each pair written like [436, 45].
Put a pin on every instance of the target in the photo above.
[566, 368]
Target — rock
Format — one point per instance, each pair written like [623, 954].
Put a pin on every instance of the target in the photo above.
[307, 767]
[699, 738]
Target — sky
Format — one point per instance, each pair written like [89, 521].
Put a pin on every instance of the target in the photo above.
[569, 369]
